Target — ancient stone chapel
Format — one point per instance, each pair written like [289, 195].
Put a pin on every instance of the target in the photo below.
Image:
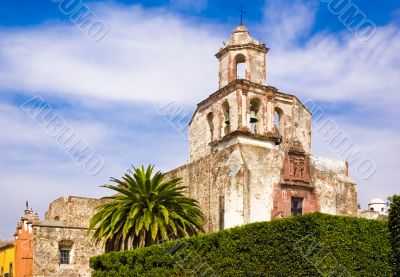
[250, 160]
[250, 149]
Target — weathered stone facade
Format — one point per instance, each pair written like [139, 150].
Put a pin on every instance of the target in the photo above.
[250, 149]
[65, 228]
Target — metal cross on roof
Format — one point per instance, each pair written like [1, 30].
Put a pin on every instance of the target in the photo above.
[242, 12]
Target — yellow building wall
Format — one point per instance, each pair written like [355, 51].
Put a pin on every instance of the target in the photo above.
[6, 258]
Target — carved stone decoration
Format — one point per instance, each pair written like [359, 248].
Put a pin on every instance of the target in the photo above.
[296, 147]
[297, 165]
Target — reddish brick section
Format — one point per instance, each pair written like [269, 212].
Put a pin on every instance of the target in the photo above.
[296, 183]
[283, 194]
[297, 168]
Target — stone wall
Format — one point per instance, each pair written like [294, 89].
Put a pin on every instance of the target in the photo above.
[73, 211]
[46, 252]
[244, 183]
[372, 215]
[337, 193]
[66, 221]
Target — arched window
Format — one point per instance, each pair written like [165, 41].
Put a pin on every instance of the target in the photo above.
[210, 118]
[278, 122]
[65, 247]
[279, 126]
[227, 122]
[255, 104]
[225, 108]
[240, 61]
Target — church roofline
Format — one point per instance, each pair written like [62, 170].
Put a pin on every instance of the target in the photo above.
[247, 84]
[70, 197]
[259, 47]
[56, 224]
[6, 243]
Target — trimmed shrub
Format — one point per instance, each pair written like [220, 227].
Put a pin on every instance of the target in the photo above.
[307, 245]
[394, 229]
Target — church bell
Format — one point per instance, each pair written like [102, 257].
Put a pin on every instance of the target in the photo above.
[253, 117]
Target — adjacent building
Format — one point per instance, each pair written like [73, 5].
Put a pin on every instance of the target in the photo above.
[59, 245]
[377, 205]
[7, 257]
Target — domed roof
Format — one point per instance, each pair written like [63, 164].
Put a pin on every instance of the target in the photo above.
[241, 28]
[240, 36]
[376, 201]
[241, 39]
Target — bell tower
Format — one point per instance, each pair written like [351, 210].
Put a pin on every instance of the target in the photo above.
[250, 148]
[244, 110]
[242, 58]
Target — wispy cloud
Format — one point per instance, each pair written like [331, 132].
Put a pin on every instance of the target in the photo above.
[148, 56]
[330, 67]
[285, 23]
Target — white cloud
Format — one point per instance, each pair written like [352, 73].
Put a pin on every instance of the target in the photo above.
[34, 167]
[147, 56]
[337, 68]
[285, 22]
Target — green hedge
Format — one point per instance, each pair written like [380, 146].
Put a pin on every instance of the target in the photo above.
[309, 245]
[394, 231]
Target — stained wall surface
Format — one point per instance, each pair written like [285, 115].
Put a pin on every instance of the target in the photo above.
[244, 183]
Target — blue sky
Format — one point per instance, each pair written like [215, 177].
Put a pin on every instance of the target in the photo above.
[158, 52]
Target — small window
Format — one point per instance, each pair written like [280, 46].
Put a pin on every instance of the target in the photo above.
[11, 270]
[64, 256]
[383, 209]
[210, 118]
[371, 209]
[65, 247]
[297, 205]
[57, 218]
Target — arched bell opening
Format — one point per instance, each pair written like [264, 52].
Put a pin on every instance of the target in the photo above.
[240, 65]
[255, 105]
[227, 120]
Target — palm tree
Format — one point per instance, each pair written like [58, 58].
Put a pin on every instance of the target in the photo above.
[147, 210]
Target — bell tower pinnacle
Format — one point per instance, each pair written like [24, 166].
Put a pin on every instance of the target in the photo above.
[242, 58]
